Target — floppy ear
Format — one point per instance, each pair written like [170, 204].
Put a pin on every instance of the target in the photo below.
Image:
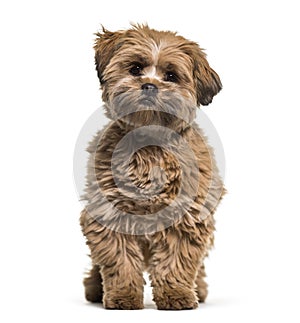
[207, 81]
[106, 44]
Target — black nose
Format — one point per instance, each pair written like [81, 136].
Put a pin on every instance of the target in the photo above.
[149, 87]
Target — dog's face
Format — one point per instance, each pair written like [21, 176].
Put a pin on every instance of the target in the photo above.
[153, 77]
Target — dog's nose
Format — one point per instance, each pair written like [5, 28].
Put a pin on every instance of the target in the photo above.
[149, 88]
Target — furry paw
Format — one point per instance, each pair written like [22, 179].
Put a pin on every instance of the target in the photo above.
[93, 292]
[123, 302]
[93, 296]
[175, 300]
[202, 294]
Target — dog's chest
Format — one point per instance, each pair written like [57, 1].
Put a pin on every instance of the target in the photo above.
[150, 173]
[140, 177]
[154, 171]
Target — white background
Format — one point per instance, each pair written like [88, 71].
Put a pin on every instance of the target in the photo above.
[48, 90]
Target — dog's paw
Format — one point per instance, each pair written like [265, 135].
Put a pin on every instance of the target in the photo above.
[175, 300]
[93, 292]
[93, 296]
[123, 302]
[202, 294]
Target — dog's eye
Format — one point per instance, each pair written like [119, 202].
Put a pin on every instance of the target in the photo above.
[171, 77]
[136, 70]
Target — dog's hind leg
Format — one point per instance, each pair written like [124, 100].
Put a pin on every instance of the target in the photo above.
[201, 285]
[93, 285]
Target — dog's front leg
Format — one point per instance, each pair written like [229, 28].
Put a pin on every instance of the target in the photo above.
[173, 269]
[122, 274]
[120, 261]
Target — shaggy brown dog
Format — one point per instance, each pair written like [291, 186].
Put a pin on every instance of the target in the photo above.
[152, 183]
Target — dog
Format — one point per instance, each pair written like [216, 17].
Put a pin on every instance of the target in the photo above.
[152, 183]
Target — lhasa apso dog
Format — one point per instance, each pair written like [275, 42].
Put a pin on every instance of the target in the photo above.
[152, 183]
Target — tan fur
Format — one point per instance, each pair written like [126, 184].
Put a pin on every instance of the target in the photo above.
[128, 233]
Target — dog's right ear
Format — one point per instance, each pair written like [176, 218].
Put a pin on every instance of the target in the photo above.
[106, 44]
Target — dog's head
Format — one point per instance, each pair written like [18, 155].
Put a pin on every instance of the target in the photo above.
[148, 76]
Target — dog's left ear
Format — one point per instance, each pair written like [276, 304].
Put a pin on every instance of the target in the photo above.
[106, 44]
[207, 81]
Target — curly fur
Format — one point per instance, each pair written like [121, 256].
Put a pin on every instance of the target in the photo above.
[128, 222]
